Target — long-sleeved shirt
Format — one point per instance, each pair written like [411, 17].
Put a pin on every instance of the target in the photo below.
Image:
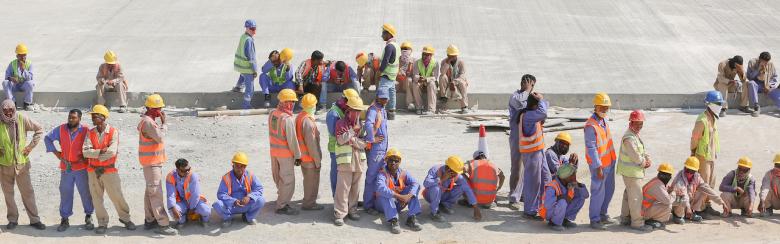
[331, 118]
[591, 146]
[151, 129]
[680, 182]
[291, 137]
[29, 125]
[726, 74]
[389, 55]
[755, 73]
[725, 185]
[383, 190]
[239, 190]
[453, 72]
[698, 131]
[311, 138]
[416, 71]
[348, 70]
[358, 151]
[554, 161]
[531, 117]
[111, 150]
[269, 67]
[769, 183]
[178, 188]
[27, 74]
[249, 51]
[632, 148]
[433, 179]
[658, 193]
[54, 135]
[303, 78]
[372, 132]
[106, 74]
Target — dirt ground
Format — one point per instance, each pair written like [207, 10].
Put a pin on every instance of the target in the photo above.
[208, 143]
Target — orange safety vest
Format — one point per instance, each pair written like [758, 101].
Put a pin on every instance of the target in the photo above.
[307, 69]
[603, 142]
[391, 184]
[557, 187]
[533, 143]
[278, 134]
[72, 149]
[247, 182]
[107, 165]
[187, 193]
[774, 184]
[377, 123]
[408, 72]
[150, 152]
[648, 199]
[483, 180]
[305, 156]
[450, 187]
[334, 73]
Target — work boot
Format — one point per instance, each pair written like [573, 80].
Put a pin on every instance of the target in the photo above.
[746, 110]
[605, 219]
[419, 112]
[678, 220]
[149, 225]
[530, 216]
[437, 217]
[390, 114]
[353, 216]
[122, 109]
[313, 207]
[64, 225]
[129, 225]
[338, 222]
[445, 209]
[722, 113]
[569, 224]
[88, 223]
[177, 225]
[166, 231]
[767, 213]
[655, 224]
[464, 202]
[267, 101]
[101, 230]
[410, 107]
[394, 228]
[557, 228]
[514, 206]
[236, 89]
[248, 221]
[28, 107]
[597, 226]
[287, 210]
[711, 211]
[38, 225]
[411, 222]
[227, 223]
[696, 217]
[643, 228]
[372, 212]
[625, 221]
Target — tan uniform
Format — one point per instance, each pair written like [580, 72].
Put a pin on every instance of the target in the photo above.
[111, 184]
[350, 176]
[311, 171]
[723, 83]
[283, 169]
[367, 75]
[706, 167]
[454, 75]
[729, 194]
[632, 196]
[770, 189]
[694, 194]
[404, 79]
[154, 202]
[19, 175]
[428, 85]
[111, 80]
[657, 201]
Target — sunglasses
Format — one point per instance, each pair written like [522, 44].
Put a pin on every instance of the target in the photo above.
[393, 161]
[253, 28]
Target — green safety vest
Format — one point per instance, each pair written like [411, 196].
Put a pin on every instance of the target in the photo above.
[344, 154]
[391, 70]
[241, 62]
[332, 138]
[15, 67]
[278, 78]
[6, 159]
[744, 187]
[426, 71]
[703, 147]
[626, 165]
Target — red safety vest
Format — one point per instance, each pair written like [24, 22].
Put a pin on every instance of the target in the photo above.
[305, 155]
[186, 186]
[532, 143]
[604, 145]
[150, 152]
[334, 73]
[307, 72]
[247, 182]
[772, 178]
[278, 134]
[648, 200]
[108, 165]
[558, 191]
[72, 149]
[483, 179]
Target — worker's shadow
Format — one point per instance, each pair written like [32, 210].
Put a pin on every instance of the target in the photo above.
[737, 221]
[316, 217]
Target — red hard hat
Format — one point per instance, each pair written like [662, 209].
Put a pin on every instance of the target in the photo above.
[636, 115]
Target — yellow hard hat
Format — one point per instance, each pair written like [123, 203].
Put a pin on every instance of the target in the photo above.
[428, 49]
[452, 50]
[240, 158]
[308, 101]
[154, 101]
[455, 164]
[777, 158]
[692, 163]
[100, 109]
[602, 99]
[110, 57]
[666, 168]
[356, 103]
[406, 45]
[349, 92]
[361, 59]
[287, 95]
[286, 55]
[564, 136]
[392, 152]
[745, 162]
[389, 28]
[21, 48]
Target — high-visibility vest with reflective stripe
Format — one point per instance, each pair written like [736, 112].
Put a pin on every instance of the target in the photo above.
[241, 62]
[744, 186]
[307, 72]
[97, 144]
[10, 150]
[772, 178]
[278, 134]
[534, 142]
[648, 200]
[277, 76]
[483, 179]
[377, 123]
[247, 182]
[15, 67]
[391, 70]
[626, 165]
[391, 184]
[703, 146]
[426, 72]
[556, 185]
[186, 187]
[344, 154]
[604, 145]
[302, 117]
[344, 75]
[72, 150]
[150, 152]
[332, 138]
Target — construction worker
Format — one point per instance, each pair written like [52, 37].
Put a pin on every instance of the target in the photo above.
[453, 85]
[404, 78]
[15, 163]
[240, 192]
[425, 71]
[277, 74]
[337, 111]
[395, 190]
[184, 197]
[562, 199]
[389, 67]
[600, 154]
[376, 144]
[532, 150]
[245, 63]
[152, 156]
[444, 185]
[762, 77]
[632, 162]
[310, 75]
[725, 82]
[73, 174]
[484, 178]
[367, 75]
[738, 189]
[656, 201]
[769, 197]
[19, 78]
[111, 79]
[690, 191]
[556, 155]
[311, 155]
[351, 160]
[517, 103]
[100, 149]
[285, 150]
[705, 142]
[341, 77]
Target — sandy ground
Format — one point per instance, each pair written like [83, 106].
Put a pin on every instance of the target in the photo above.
[208, 144]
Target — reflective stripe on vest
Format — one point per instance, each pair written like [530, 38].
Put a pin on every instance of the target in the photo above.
[626, 165]
[72, 150]
[483, 180]
[391, 184]
[150, 152]
[247, 182]
[604, 145]
[648, 199]
[703, 146]
[533, 143]
[100, 144]
[391, 70]
[377, 123]
[15, 67]
[305, 155]
[241, 62]
[13, 152]
[186, 187]
[307, 72]
[277, 76]
[334, 73]
[332, 138]
[557, 187]
[426, 71]
[278, 134]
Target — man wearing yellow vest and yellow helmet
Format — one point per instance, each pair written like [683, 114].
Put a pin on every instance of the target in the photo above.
[389, 67]
[285, 150]
[705, 142]
[690, 191]
[277, 74]
[656, 201]
[738, 189]
[444, 185]
[110, 78]
[245, 63]
[632, 162]
[453, 84]
[351, 159]
[311, 154]
[769, 197]
[425, 71]
[239, 192]
[19, 78]
[601, 157]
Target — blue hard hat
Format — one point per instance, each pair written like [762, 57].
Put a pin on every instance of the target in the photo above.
[383, 93]
[713, 97]
[250, 23]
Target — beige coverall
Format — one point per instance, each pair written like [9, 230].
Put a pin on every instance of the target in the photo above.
[19, 174]
[632, 196]
[723, 83]
[283, 169]
[706, 167]
[770, 189]
[427, 83]
[690, 199]
[454, 75]
[404, 79]
[310, 171]
[154, 201]
[111, 80]
[367, 75]
[661, 202]
[350, 176]
[109, 183]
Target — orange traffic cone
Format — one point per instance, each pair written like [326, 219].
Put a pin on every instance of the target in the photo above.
[482, 145]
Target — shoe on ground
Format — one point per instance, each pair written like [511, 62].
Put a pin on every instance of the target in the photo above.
[166, 231]
[150, 225]
[38, 226]
[514, 206]
[598, 226]
[338, 222]
[101, 230]
[769, 212]
[129, 225]
[391, 115]
[626, 221]
[557, 228]
[372, 212]
[569, 224]
[722, 113]
[64, 225]
[353, 216]
[122, 109]
[28, 107]
[488, 206]
[411, 107]
[88, 223]
[711, 211]
[248, 221]
[643, 228]
[419, 112]
[532, 217]
[394, 227]
[606, 220]
[11, 225]
[696, 217]
[746, 110]
[267, 101]
[678, 220]
[655, 224]
[438, 218]
[445, 209]
[227, 223]
[177, 225]
[236, 89]
[465, 110]
[411, 222]
[287, 210]
[204, 223]
[313, 207]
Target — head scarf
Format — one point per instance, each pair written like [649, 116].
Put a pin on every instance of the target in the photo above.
[346, 123]
[8, 104]
[405, 56]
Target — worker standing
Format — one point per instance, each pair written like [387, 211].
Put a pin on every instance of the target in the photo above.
[404, 78]
[111, 79]
[15, 163]
[532, 148]
[517, 103]
[341, 77]
[762, 77]
[184, 197]
[239, 192]
[376, 144]
[562, 199]
[245, 63]
[101, 149]
[351, 160]
[277, 74]
[396, 190]
[453, 85]
[705, 142]
[73, 174]
[368, 70]
[632, 162]
[725, 82]
[151, 155]
[738, 189]
[19, 78]
[285, 151]
[310, 75]
[656, 201]
[311, 155]
[389, 67]
[425, 71]
[600, 154]
[444, 185]
[769, 197]
[337, 111]
[690, 191]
